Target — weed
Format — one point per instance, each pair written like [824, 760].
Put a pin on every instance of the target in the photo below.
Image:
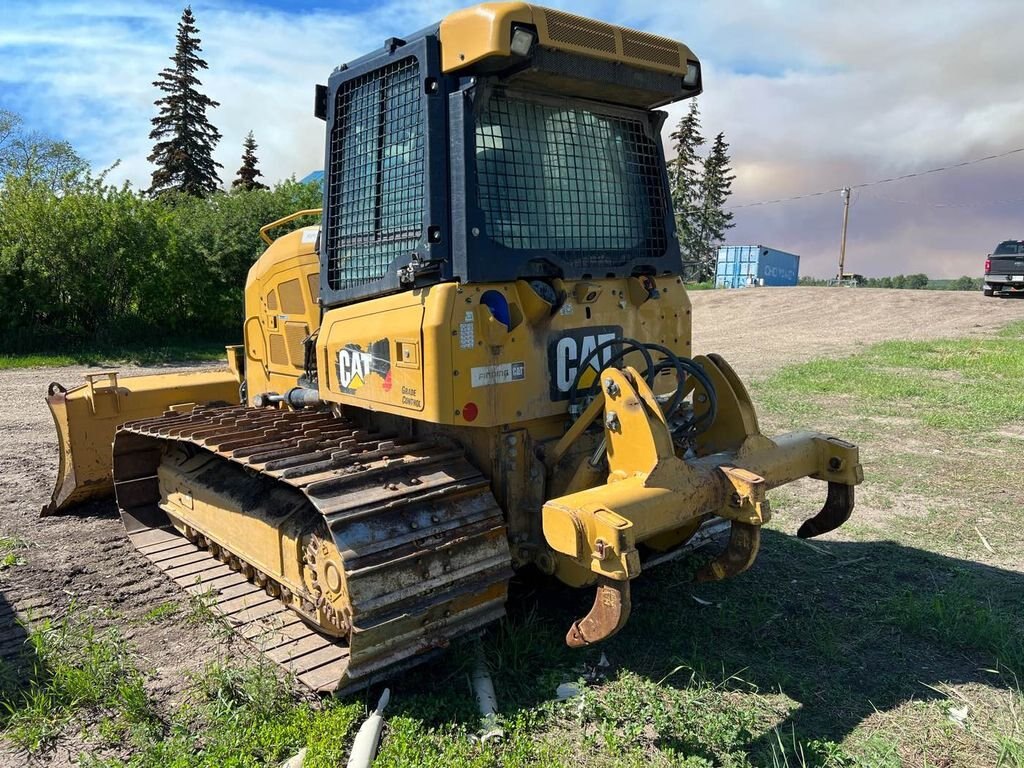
[244, 716]
[201, 611]
[787, 751]
[255, 689]
[161, 612]
[959, 614]
[9, 560]
[73, 666]
[10, 551]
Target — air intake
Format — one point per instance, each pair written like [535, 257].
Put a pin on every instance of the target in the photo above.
[645, 47]
[579, 32]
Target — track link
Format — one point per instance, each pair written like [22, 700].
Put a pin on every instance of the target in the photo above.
[410, 528]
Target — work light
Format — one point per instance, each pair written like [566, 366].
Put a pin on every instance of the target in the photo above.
[692, 76]
[522, 41]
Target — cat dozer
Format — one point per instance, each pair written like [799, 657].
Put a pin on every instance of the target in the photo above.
[478, 360]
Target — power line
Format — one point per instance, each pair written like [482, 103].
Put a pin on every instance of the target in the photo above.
[880, 181]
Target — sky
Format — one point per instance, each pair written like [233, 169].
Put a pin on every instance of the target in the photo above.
[811, 95]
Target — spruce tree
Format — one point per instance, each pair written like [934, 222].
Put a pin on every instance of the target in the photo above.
[714, 219]
[185, 138]
[247, 173]
[684, 173]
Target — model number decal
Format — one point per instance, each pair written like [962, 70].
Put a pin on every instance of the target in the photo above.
[503, 373]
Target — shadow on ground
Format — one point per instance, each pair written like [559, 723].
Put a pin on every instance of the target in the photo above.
[843, 628]
[15, 654]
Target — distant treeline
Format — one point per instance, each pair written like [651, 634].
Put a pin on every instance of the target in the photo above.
[85, 262]
[915, 281]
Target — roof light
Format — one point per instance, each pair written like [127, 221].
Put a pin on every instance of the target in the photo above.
[692, 76]
[522, 41]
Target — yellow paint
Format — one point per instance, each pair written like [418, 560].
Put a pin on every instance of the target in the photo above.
[87, 416]
[267, 228]
[484, 31]
[281, 309]
[652, 493]
[358, 348]
[465, 356]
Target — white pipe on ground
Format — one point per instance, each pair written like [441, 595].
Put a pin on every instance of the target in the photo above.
[486, 700]
[365, 745]
[295, 761]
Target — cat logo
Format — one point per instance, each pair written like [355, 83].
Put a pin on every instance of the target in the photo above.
[569, 349]
[355, 365]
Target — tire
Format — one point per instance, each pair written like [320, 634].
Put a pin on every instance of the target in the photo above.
[988, 292]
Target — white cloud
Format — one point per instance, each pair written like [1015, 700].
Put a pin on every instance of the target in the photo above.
[810, 95]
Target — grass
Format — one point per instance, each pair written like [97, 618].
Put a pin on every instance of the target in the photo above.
[242, 717]
[82, 677]
[967, 385]
[117, 355]
[73, 667]
[161, 612]
[854, 651]
[10, 552]
[962, 615]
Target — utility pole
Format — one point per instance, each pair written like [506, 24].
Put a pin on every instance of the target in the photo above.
[842, 242]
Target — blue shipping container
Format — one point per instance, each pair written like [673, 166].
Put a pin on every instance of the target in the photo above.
[743, 265]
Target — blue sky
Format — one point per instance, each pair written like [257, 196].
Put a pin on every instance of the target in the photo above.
[811, 95]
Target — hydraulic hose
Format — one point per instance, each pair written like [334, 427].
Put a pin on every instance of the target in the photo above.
[681, 365]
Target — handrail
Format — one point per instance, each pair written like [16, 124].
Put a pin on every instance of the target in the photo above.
[280, 222]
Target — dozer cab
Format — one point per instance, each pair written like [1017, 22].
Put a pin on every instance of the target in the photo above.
[479, 360]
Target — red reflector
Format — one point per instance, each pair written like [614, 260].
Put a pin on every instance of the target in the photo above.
[470, 411]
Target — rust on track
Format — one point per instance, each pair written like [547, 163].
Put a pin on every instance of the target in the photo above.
[418, 535]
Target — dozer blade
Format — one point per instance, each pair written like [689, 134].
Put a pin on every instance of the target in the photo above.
[87, 416]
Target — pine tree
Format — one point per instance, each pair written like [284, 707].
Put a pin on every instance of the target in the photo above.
[684, 174]
[247, 173]
[714, 219]
[185, 138]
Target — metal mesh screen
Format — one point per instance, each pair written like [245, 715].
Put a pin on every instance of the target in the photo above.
[571, 180]
[375, 197]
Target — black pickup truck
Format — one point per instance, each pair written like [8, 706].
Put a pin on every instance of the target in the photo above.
[1004, 269]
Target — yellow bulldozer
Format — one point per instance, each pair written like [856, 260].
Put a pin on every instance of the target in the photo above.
[477, 360]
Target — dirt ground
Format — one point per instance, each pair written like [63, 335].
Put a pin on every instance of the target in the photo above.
[85, 560]
[759, 330]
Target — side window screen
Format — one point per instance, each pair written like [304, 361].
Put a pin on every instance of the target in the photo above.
[375, 197]
[570, 180]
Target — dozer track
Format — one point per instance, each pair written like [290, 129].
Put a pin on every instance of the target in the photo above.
[340, 553]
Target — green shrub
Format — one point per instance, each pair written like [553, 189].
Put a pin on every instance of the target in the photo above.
[101, 264]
